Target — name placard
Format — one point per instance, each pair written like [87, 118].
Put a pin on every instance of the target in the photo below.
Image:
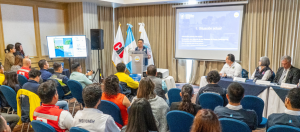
[288, 86]
[260, 82]
[239, 79]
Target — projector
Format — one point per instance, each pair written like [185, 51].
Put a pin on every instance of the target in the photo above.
[161, 73]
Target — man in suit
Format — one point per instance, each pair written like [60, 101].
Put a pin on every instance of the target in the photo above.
[287, 73]
[291, 115]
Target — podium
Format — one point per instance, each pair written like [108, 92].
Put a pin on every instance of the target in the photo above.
[138, 65]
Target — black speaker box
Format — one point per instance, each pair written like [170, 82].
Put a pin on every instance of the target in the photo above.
[97, 39]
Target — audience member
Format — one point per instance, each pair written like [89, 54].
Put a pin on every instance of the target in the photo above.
[3, 125]
[234, 109]
[2, 76]
[291, 115]
[112, 93]
[206, 121]
[91, 118]
[62, 79]
[158, 105]
[11, 80]
[213, 78]
[9, 57]
[18, 63]
[78, 76]
[128, 84]
[60, 119]
[19, 50]
[187, 92]
[263, 71]
[45, 74]
[141, 118]
[26, 68]
[12, 119]
[160, 85]
[287, 73]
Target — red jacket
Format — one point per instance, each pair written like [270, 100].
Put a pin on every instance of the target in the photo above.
[24, 71]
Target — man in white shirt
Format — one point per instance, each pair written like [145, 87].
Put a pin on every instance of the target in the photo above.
[91, 118]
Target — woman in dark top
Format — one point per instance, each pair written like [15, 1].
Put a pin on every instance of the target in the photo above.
[187, 92]
[11, 80]
[19, 50]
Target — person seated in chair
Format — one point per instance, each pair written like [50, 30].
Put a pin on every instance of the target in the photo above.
[287, 73]
[91, 118]
[234, 109]
[160, 85]
[4, 127]
[62, 79]
[213, 77]
[2, 76]
[49, 113]
[291, 115]
[26, 68]
[263, 71]
[44, 66]
[128, 84]
[77, 75]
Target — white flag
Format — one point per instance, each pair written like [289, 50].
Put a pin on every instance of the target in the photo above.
[146, 42]
[118, 49]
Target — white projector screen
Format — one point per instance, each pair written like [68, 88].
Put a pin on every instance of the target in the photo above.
[208, 33]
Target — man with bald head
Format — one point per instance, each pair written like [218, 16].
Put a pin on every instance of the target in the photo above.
[26, 68]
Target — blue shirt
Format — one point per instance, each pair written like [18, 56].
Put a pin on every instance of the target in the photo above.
[45, 74]
[31, 85]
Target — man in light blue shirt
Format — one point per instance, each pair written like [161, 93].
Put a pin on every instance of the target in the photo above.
[160, 85]
[78, 76]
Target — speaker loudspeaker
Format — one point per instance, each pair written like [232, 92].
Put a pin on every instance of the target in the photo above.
[97, 39]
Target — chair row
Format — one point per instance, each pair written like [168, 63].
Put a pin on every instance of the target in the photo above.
[39, 126]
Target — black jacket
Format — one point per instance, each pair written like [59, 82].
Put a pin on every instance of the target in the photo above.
[175, 106]
[213, 88]
[283, 119]
[292, 77]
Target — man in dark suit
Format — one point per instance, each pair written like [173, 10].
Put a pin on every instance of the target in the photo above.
[287, 73]
[234, 109]
[291, 115]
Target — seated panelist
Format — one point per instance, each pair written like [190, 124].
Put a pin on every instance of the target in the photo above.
[287, 73]
[263, 71]
[231, 68]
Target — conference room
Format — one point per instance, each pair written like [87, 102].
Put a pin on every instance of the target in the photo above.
[149, 65]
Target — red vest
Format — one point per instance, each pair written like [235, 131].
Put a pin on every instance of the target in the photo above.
[48, 114]
[24, 71]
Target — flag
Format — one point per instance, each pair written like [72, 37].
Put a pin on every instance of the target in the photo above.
[118, 49]
[146, 42]
[130, 45]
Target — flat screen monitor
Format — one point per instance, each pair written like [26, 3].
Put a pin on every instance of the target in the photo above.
[66, 46]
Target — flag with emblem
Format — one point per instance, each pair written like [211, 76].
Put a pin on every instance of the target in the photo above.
[146, 42]
[118, 49]
[130, 45]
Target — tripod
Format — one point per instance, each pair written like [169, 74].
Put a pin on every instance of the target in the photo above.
[98, 70]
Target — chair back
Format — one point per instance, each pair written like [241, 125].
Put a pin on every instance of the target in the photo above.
[273, 77]
[254, 103]
[121, 88]
[59, 89]
[232, 125]
[10, 96]
[210, 101]
[128, 109]
[112, 109]
[76, 90]
[39, 126]
[179, 121]
[22, 80]
[245, 73]
[283, 128]
[77, 129]
[174, 95]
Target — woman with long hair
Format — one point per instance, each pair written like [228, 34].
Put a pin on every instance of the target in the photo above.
[18, 63]
[19, 50]
[206, 121]
[187, 92]
[11, 80]
[158, 105]
[112, 93]
[9, 57]
[141, 118]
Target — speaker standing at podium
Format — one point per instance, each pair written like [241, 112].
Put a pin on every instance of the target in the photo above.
[141, 47]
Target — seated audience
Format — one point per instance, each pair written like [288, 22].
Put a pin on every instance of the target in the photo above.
[26, 68]
[213, 78]
[91, 118]
[11, 80]
[19, 50]
[158, 105]
[12, 119]
[78, 76]
[128, 84]
[9, 57]
[187, 92]
[160, 85]
[18, 63]
[2, 76]
[112, 93]
[3, 125]
[287, 73]
[44, 66]
[141, 118]
[62, 79]
[49, 113]
[234, 109]
[206, 121]
[291, 115]
[263, 71]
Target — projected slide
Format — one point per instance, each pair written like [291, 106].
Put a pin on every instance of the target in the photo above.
[208, 32]
[63, 47]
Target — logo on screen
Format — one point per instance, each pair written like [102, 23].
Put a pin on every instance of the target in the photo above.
[181, 16]
[236, 14]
